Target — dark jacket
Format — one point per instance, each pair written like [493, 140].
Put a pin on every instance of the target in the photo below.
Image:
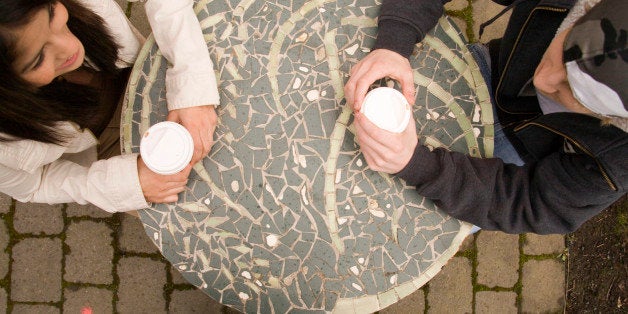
[575, 167]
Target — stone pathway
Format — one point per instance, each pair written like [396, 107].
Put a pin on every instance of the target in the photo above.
[69, 257]
[63, 258]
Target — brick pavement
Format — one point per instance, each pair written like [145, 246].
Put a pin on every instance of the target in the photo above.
[63, 258]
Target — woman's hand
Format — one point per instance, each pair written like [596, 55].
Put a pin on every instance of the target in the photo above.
[383, 150]
[159, 188]
[201, 123]
[378, 64]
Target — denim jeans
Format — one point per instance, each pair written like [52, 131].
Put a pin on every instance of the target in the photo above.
[503, 149]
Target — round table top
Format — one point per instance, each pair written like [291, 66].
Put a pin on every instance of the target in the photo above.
[284, 214]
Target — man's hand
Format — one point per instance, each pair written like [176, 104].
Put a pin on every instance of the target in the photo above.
[378, 64]
[383, 150]
[201, 123]
[159, 188]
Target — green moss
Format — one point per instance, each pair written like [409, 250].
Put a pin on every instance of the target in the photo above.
[426, 291]
[129, 6]
[466, 15]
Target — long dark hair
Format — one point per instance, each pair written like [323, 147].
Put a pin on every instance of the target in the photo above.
[27, 112]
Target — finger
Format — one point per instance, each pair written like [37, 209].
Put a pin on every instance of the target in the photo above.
[198, 150]
[368, 145]
[364, 82]
[185, 173]
[208, 141]
[411, 127]
[164, 197]
[361, 76]
[165, 188]
[407, 88]
[374, 158]
[349, 88]
[370, 156]
[174, 191]
[170, 196]
[362, 85]
[179, 178]
[373, 132]
[369, 160]
[202, 143]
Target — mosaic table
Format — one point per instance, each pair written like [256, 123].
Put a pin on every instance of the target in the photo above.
[284, 215]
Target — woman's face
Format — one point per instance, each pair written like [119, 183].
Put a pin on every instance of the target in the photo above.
[550, 77]
[46, 48]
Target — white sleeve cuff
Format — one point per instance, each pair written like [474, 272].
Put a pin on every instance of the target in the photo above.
[127, 190]
[191, 90]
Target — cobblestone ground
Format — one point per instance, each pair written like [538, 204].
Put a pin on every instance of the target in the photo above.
[67, 258]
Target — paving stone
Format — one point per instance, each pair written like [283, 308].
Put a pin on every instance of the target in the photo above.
[35, 309]
[138, 16]
[3, 300]
[228, 310]
[36, 270]
[37, 218]
[456, 5]
[122, 4]
[91, 253]
[5, 203]
[4, 256]
[451, 290]
[498, 259]
[193, 301]
[139, 20]
[414, 303]
[97, 299]
[543, 286]
[133, 238]
[89, 210]
[495, 302]
[177, 278]
[536, 244]
[141, 288]
[467, 244]
[484, 10]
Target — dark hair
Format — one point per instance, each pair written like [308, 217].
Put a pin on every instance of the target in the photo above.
[28, 112]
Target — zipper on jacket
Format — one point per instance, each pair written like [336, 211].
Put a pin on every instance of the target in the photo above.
[574, 142]
[514, 47]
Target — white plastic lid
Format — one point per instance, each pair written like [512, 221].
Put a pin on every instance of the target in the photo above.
[387, 108]
[166, 147]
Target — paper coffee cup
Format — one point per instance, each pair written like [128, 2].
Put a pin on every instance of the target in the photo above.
[387, 109]
[166, 147]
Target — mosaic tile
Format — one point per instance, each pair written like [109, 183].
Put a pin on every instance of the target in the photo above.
[284, 215]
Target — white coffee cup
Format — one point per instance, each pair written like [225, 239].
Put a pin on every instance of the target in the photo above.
[166, 147]
[387, 109]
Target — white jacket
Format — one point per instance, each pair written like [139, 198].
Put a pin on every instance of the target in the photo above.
[32, 171]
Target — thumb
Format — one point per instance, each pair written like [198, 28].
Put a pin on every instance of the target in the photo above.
[407, 88]
[173, 116]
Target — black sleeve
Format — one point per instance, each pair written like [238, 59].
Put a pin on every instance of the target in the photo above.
[402, 24]
[555, 195]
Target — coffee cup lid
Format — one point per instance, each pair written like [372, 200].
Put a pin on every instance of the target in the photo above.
[166, 147]
[387, 108]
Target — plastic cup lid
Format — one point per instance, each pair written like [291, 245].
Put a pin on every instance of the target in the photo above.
[166, 147]
[387, 108]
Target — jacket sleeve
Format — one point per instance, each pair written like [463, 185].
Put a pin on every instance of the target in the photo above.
[402, 24]
[111, 184]
[553, 195]
[191, 80]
